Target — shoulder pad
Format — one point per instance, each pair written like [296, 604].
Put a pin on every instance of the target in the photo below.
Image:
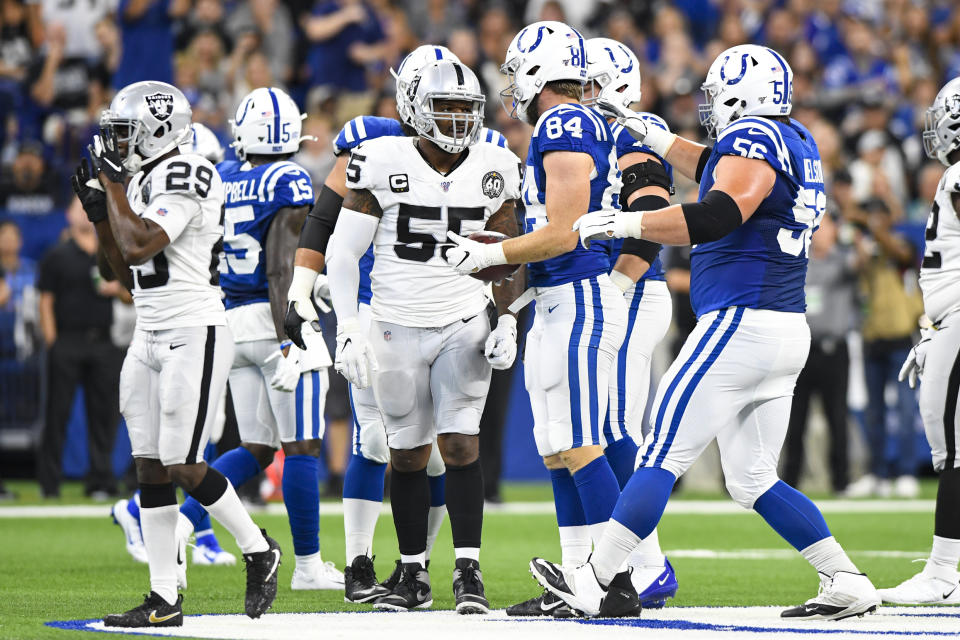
[951, 179]
[492, 136]
[287, 184]
[364, 128]
[757, 138]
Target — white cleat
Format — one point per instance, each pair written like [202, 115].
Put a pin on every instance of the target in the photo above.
[923, 588]
[319, 576]
[842, 596]
[202, 554]
[131, 531]
[578, 587]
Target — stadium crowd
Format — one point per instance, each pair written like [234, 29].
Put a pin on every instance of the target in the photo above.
[864, 73]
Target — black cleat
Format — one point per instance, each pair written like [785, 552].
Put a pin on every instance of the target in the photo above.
[154, 612]
[621, 600]
[262, 578]
[394, 579]
[360, 581]
[468, 587]
[546, 604]
[412, 590]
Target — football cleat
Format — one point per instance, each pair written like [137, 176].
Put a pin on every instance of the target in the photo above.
[923, 588]
[360, 581]
[262, 577]
[319, 576]
[621, 600]
[844, 595]
[154, 612]
[654, 584]
[468, 587]
[545, 604]
[394, 578]
[578, 587]
[131, 531]
[412, 591]
[208, 551]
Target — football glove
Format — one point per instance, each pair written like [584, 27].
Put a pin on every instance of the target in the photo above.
[105, 155]
[355, 359]
[468, 256]
[91, 194]
[912, 369]
[300, 309]
[656, 139]
[500, 348]
[607, 224]
[287, 374]
[321, 293]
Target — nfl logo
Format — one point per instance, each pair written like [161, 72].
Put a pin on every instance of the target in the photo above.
[445, 185]
[387, 336]
[160, 105]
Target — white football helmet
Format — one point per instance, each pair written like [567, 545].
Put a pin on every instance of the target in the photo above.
[615, 69]
[542, 52]
[941, 123]
[203, 142]
[268, 122]
[151, 118]
[445, 80]
[746, 80]
[408, 70]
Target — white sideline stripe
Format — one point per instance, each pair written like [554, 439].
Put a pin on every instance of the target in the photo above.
[779, 554]
[678, 507]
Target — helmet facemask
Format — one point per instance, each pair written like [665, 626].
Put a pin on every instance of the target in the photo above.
[715, 117]
[452, 131]
[129, 135]
[515, 108]
[941, 130]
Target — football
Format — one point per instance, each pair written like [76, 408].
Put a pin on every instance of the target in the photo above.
[498, 272]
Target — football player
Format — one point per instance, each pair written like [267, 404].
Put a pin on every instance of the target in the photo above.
[761, 197]
[581, 315]
[278, 390]
[937, 357]
[424, 350]
[364, 481]
[162, 236]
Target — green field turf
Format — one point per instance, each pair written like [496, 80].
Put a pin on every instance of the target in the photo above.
[59, 569]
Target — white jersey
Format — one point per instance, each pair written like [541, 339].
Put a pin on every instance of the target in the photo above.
[940, 273]
[179, 287]
[412, 284]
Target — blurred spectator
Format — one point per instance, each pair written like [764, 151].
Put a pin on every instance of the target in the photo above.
[29, 187]
[270, 24]
[878, 172]
[316, 156]
[207, 15]
[830, 293]
[146, 28]
[18, 313]
[927, 183]
[76, 317]
[434, 20]
[16, 51]
[78, 19]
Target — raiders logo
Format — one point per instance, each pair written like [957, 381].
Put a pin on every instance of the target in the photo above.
[160, 105]
[492, 184]
[146, 191]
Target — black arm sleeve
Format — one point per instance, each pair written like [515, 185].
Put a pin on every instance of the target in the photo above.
[644, 249]
[321, 220]
[702, 163]
[648, 173]
[712, 218]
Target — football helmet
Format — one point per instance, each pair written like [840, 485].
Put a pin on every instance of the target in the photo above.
[268, 122]
[746, 80]
[615, 69]
[203, 142]
[941, 123]
[445, 80]
[408, 70]
[542, 52]
[150, 118]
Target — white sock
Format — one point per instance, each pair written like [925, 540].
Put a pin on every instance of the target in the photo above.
[359, 523]
[159, 525]
[184, 527]
[306, 562]
[575, 546]
[470, 553]
[596, 532]
[611, 552]
[419, 558]
[229, 511]
[827, 556]
[434, 521]
[944, 558]
[648, 553]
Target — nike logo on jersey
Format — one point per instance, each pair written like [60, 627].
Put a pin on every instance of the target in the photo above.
[153, 619]
[466, 320]
[177, 346]
[550, 310]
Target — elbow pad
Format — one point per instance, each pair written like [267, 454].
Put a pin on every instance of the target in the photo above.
[644, 249]
[702, 163]
[712, 218]
[320, 222]
[648, 173]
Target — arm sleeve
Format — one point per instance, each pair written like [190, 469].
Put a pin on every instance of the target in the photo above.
[172, 213]
[321, 221]
[349, 242]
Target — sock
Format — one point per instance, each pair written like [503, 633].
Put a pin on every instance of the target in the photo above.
[410, 501]
[438, 509]
[301, 495]
[218, 497]
[413, 558]
[238, 465]
[133, 505]
[792, 515]
[612, 551]
[598, 491]
[827, 556]
[304, 561]
[622, 456]
[362, 500]
[575, 545]
[647, 552]
[947, 515]
[643, 500]
[207, 538]
[204, 525]
[158, 520]
[465, 486]
[944, 558]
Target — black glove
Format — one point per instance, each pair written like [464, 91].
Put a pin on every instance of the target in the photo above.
[94, 200]
[105, 155]
[293, 324]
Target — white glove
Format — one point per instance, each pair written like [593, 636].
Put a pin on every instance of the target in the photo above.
[607, 224]
[658, 140]
[287, 374]
[355, 359]
[468, 256]
[321, 293]
[500, 348]
[316, 355]
[912, 369]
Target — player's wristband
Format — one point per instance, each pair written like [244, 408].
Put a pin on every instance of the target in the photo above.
[658, 140]
[622, 280]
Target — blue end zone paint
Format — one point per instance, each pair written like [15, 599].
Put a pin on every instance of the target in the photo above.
[687, 625]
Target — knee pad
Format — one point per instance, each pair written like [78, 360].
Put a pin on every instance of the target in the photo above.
[395, 392]
[372, 443]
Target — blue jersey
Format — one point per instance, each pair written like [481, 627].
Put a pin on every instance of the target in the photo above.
[252, 195]
[570, 127]
[625, 144]
[763, 263]
[364, 128]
